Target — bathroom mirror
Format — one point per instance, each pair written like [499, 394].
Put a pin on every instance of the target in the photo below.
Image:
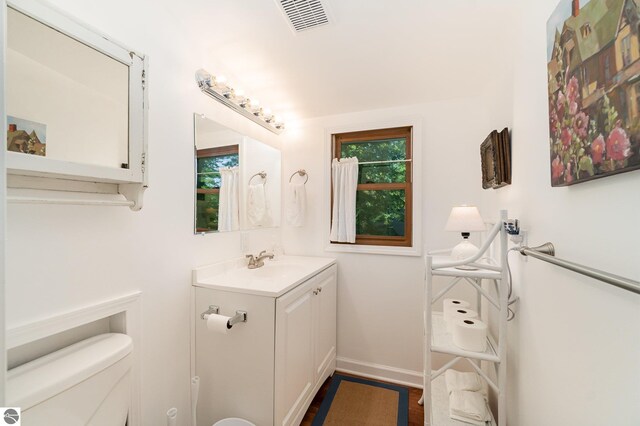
[75, 100]
[237, 180]
[71, 98]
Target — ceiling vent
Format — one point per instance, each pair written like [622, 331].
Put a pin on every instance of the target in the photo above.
[304, 14]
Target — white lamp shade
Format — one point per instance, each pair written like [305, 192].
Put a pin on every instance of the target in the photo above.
[465, 219]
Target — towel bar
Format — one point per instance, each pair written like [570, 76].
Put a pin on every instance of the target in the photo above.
[301, 172]
[262, 174]
[546, 253]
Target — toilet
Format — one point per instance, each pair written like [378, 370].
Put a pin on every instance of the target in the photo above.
[87, 383]
[233, 421]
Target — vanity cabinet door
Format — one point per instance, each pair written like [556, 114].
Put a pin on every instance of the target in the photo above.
[305, 352]
[294, 375]
[324, 323]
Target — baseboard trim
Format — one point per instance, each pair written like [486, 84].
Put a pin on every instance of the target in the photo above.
[380, 372]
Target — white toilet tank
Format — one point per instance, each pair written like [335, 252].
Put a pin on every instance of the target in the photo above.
[87, 383]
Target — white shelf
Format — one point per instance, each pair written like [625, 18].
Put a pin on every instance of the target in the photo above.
[442, 341]
[439, 340]
[455, 272]
[440, 405]
[467, 273]
[34, 165]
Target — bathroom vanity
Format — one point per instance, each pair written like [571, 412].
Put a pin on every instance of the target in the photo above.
[267, 369]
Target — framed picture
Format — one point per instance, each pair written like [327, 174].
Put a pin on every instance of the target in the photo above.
[26, 136]
[495, 156]
[593, 64]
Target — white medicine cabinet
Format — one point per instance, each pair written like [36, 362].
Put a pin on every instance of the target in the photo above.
[76, 111]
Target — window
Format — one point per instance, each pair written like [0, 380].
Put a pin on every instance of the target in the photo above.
[585, 30]
[626, 51]
[607, 68]
[585, 78]
[384, 197]
[208, 181]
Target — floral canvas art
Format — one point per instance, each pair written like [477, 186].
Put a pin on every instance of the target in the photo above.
[593, 53]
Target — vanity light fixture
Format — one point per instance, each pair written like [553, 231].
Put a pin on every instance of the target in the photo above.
[218, 89]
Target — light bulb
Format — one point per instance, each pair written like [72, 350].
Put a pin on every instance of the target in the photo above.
[239, 93]
[266, 111]
[221, 80]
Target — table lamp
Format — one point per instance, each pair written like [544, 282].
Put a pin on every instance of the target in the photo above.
[464, 219]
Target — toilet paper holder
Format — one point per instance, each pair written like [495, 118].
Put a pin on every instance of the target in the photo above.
[240, 316]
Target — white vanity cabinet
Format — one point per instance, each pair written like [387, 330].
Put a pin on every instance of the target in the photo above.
[268, 369]
[305, 344]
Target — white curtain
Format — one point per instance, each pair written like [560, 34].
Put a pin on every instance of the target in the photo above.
[345, 183]
[228, 207]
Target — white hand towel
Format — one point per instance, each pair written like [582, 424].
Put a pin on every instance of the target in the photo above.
[256, 205]
[469, 407]
[459, 381]
[229, 200]
[297, 204]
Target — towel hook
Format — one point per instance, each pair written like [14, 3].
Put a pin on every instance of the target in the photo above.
[262, 174]
[301, 172]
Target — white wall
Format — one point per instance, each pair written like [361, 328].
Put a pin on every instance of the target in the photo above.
[65, 257]
[380, 296]
[257, 157]
[575, 342]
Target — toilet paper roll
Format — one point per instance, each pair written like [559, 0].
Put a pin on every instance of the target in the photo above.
[450, 305]
[218, 323]
[461, 313]
[470, 334]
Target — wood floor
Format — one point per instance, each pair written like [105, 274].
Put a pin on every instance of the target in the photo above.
[416, 412]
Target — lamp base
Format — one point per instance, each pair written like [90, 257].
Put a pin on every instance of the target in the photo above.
[462, 251]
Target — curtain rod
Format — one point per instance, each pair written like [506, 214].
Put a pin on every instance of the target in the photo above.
[384, 162]
[546, 253]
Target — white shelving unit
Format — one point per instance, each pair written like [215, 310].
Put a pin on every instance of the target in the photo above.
[439, 340]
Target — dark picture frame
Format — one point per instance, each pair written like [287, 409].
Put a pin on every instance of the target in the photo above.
[495, 157]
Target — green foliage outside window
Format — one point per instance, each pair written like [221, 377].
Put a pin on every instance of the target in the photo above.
[379, 212]
[208, 178]
[380, 150]
[209, 167]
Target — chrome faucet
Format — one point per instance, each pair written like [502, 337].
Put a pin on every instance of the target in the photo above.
[258, 261]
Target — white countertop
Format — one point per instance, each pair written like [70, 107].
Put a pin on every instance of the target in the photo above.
[274, 279]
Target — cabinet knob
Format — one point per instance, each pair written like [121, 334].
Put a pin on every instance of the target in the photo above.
[315, 292]
[319, 289]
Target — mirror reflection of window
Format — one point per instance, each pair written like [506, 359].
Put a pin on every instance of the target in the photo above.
[208, 181]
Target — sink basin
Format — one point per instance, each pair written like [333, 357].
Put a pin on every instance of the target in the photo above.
[273, 279]
[274, 269]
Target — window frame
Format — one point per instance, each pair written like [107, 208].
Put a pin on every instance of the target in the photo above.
[208, 153]
[406, 132]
